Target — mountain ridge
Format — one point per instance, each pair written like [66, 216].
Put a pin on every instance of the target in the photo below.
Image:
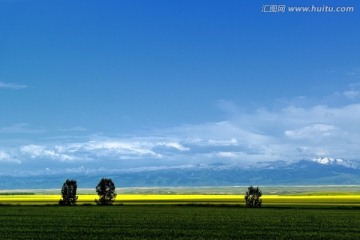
[304, 172]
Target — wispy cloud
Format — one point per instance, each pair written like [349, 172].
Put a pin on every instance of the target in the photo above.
[24, 128]
[310, 132]
[173, 145]
[353, 91]
[352, 94]
[14, 86]
[354, 72]
[73, 129]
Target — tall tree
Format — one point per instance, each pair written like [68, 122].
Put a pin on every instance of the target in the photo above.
[106, 191]
[68, 193]
[252, 197]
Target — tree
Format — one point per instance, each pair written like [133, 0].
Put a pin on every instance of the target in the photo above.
[68, 193]
[252, 197]
[106, 191]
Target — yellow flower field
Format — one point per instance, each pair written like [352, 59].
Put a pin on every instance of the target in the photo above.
[189, 198]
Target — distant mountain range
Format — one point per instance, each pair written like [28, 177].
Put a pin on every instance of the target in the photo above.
[326, 171]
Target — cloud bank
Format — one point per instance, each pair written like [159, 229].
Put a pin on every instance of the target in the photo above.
[288, 133]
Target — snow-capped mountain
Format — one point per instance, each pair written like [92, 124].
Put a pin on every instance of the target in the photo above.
[326, 171]
[338, 161]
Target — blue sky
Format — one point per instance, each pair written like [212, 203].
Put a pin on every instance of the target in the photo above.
[122, 84]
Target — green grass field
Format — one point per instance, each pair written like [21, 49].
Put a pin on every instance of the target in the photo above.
[177, 222]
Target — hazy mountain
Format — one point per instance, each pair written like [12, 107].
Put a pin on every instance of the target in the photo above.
[303, 172]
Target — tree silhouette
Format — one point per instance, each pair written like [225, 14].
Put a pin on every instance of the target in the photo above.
[68, 193]
[106, 191]
[252, 197]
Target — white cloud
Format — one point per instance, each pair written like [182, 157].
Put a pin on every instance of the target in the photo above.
[36, 151]
[6, 157]
[227, 155]
[289, 133]
[14, 86]
[99, 150]
[174, 145]
[140, 149]
[3, 155]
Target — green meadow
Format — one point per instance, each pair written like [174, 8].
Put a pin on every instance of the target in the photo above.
[177, 222]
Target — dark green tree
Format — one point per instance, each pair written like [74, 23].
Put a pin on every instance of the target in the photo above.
[106, 191]
[68, 193]
[252, 197]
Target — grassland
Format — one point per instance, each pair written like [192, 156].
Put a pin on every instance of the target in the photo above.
[176, 222]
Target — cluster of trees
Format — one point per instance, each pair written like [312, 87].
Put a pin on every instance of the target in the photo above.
[105, 189]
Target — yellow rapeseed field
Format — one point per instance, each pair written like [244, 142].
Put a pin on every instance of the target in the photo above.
[189, 198]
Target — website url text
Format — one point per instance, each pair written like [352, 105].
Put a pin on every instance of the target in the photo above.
[306, 9]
